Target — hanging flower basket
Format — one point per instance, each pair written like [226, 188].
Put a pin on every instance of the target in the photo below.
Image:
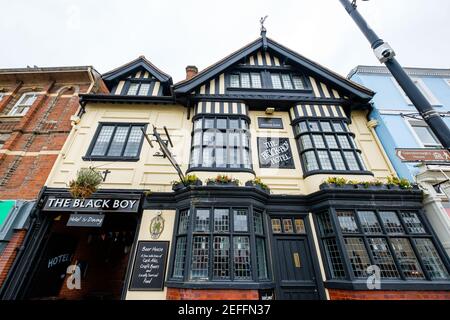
[85, 184]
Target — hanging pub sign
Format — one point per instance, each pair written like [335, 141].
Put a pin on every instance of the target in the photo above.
[149, 266]
[275, 153]
[97, 204]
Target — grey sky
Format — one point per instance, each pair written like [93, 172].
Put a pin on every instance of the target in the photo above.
[173, 34]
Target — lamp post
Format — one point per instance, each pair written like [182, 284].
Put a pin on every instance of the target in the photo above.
[386, 55]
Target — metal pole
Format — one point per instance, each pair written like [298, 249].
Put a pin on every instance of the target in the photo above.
[386, 55]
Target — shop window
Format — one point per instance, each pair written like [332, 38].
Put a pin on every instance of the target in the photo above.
[23, 104]
[116, 141]
[221, 245]
[221, 142]
[395, 241]
[327, 146]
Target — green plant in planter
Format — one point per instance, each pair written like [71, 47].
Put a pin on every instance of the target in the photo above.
[190, 179]
[378, 183]
[86, 183]
[258, 182]
[223, 179]
[402, 183]
[337, 181]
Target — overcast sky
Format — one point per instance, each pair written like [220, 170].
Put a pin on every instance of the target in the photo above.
[173, 34]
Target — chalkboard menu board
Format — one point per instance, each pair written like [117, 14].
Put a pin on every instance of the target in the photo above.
[149, 266]
[275, 153]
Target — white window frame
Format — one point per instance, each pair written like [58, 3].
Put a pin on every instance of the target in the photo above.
[423, 88]
[13, 111]
[416, 136]
[2, 94]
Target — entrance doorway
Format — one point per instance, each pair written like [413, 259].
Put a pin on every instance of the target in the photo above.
[98, 255]
[294, 271]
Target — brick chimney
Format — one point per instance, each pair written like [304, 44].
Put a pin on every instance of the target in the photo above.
[191, 71]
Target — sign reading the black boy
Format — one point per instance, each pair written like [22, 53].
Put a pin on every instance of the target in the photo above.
[275, 153]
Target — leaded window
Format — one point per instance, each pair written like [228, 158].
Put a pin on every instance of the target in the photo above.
[221, 142]
[327, 145]
[223, 244]
[116, 141]
[287, 81]
[395, 241]
[245, 80]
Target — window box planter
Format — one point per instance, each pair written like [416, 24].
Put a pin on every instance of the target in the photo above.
[333, 186]
[250, 183]
[222, 184]
[179, 185]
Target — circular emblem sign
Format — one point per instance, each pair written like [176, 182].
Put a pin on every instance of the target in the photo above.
[156, 226]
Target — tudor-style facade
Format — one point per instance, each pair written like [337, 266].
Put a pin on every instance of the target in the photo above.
[263, 111]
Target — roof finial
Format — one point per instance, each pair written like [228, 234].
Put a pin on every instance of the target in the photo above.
[263, 31]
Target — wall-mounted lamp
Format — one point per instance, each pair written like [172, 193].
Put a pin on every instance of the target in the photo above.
[270, 110]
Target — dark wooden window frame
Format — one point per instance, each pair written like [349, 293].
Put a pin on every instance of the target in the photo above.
[88, 156]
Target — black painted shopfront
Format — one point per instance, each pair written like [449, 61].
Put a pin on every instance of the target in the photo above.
[246, 239]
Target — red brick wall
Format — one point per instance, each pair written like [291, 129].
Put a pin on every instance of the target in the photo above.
[9, 253]
[388, 295]
[211, 294]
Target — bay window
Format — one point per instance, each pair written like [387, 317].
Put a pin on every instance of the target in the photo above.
[221, 143]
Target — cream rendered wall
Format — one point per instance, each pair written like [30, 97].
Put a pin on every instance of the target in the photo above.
[150, 172]
[144, 235]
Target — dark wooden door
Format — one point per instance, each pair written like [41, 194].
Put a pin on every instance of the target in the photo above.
[294, 269]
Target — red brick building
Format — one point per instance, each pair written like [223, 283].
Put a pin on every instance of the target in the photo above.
[37, 107]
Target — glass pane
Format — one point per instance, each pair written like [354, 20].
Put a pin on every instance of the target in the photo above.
[246, 158]
[357, 254]
[256, 80]
[407, 259]
[242, 266]
[240, 220]
[180, 256]
[134, 142]
[347, 222]
[234, 138]
[200, 257]
[331, 141]
[184, 222]
[425, 135]
[244, 124]
[118, 142]
[306, 142]
[431, 260]
[369, 222]
[313, 126]
[363, 167]
[234, 123]
[195, 157]
[343, 141]
[28, 100]
[221, 123]
[258, 222]
[245, 80]
[261, 261]
[324, 160]
[351, 160]
[326, 228]
[299, 226]
[197, 138]
[334, 259]
[202, 220]
[338, 127]
[383, 258]
[326, 126]
[221, 258]
[302, 127]
[221, 158]
[220, 139]
[132, 90]
[234, 81]
[338, 160]
[391, 222]
[276, 225]
[276, 82]
[221, 220]
[287, 84]
[298, 83]
[143, 90]
[207, 160]
[309, 158]
[198, 124]
[102, 141]
[318, 141]
[412, 222]
[209, 123]
[209, 137]
[287, 226]
[235, 158]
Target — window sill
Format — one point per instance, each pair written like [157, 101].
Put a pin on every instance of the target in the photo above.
[220, 170]
[220, 284]
[115, 159]
[6, 116]
[407, 285]
[272, 90]
[346, 172]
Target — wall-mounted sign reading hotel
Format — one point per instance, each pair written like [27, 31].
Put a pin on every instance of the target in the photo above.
[275, 153]
[149, 266]
[423, 155]
[99, 204]
[85, 220]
